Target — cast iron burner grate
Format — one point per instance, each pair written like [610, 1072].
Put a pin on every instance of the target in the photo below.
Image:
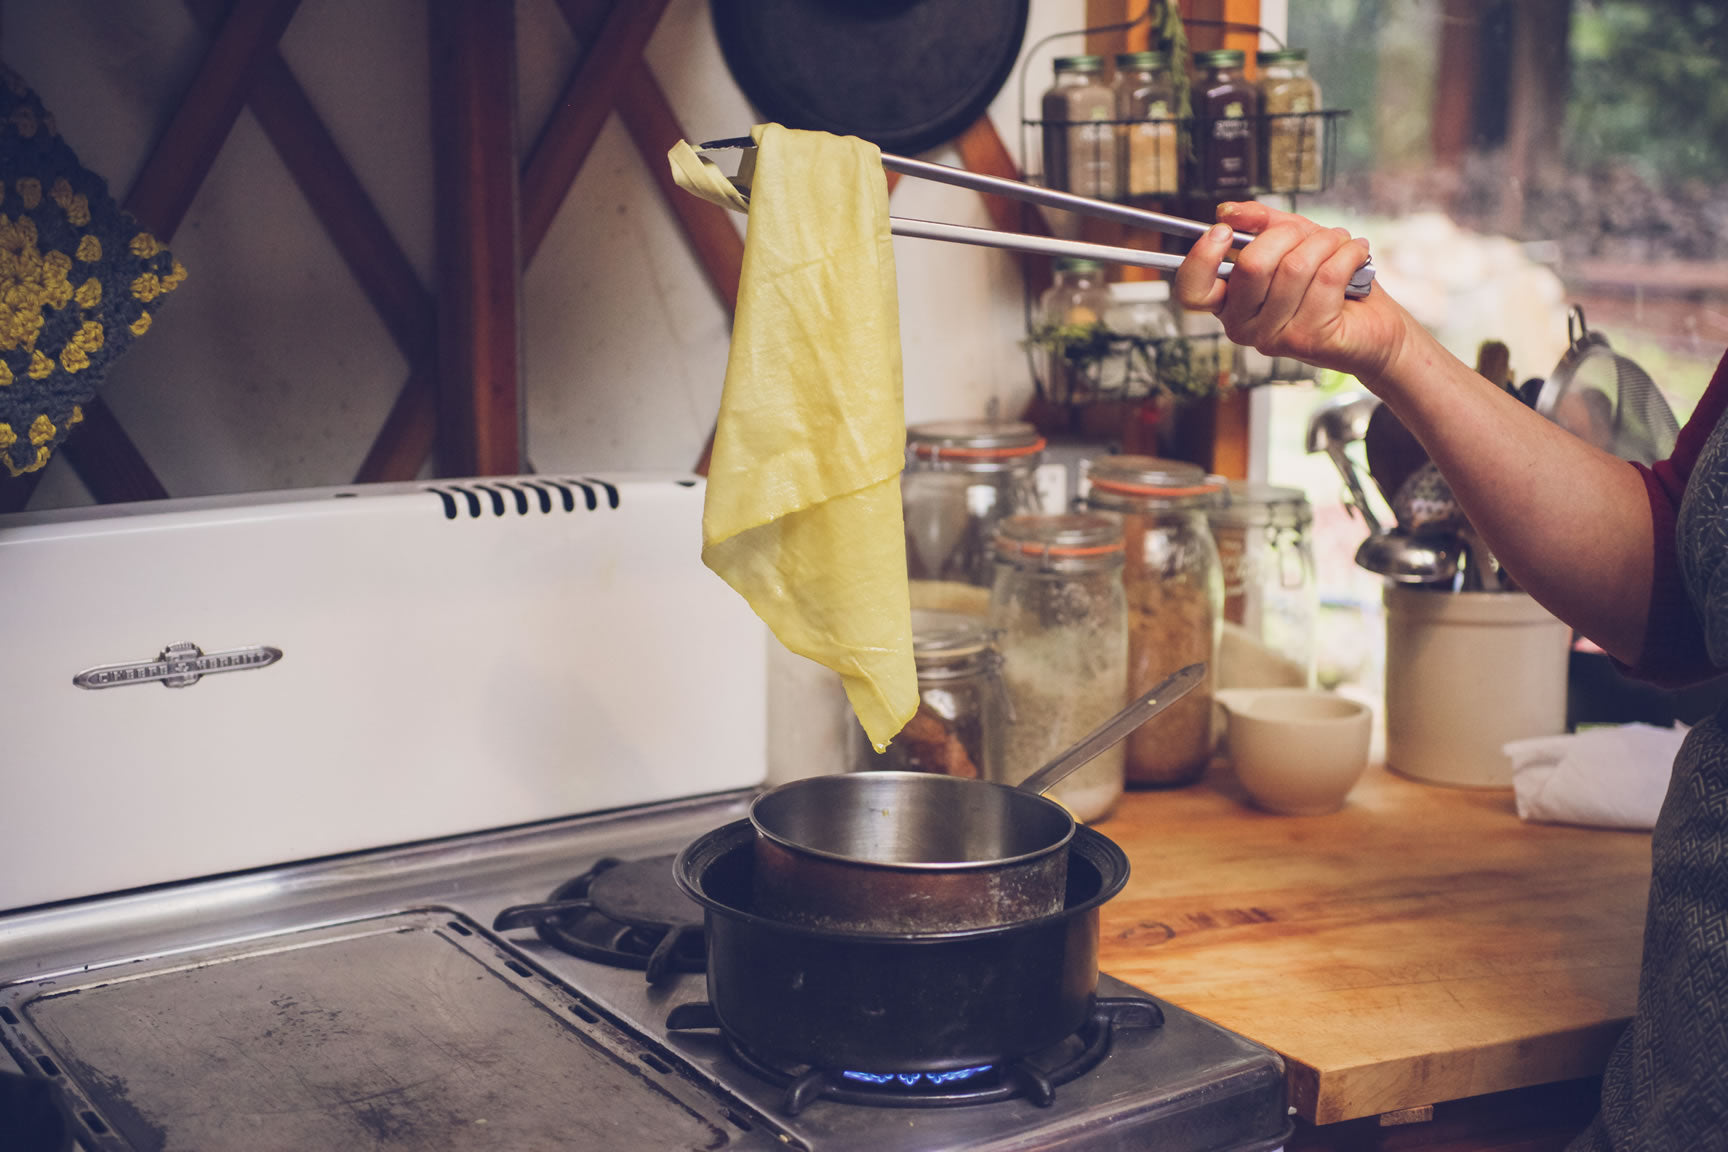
[1034, 1078]
[625, 913]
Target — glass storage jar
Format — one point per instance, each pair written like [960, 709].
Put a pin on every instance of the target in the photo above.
[961, 478]
[1290, 145]
[1271, 601]
[1059, 615]
[1078, 129]
[1175, 593]
[1070, 331]
[1146, 107]
[1227, 114]
[959, 720]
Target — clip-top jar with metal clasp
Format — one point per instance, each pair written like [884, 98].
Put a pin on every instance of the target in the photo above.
[1271, 601]
[961, 478]
[1175, 593]
[958, 725]
[1060, 618]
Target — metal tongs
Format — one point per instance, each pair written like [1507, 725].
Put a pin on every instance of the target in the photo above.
[1049, 197]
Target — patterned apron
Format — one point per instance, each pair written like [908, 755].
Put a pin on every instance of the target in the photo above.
[1666, 1086]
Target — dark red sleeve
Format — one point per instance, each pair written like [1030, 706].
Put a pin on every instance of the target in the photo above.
[1674, 639]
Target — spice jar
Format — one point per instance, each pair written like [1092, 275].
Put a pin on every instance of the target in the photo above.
[1271, 602]
[1060, 619]
[1175, 592]
[1291, 141]
[1146, 107]
[1070, 333]
[1227, 110]
[961, 478]
[1079, 136]
[958, 724]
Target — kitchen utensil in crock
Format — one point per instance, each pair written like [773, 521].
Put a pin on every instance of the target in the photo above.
[1392, 452]
[1406, 559]
[1424, 504]
[896, 1002]
[1606, 398]
[1336, 423]
[917, 852]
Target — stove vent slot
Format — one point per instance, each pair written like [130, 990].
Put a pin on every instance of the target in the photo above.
[546, 494]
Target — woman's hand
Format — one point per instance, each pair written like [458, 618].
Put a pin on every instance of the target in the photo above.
[1569, 520]
[1286, 294]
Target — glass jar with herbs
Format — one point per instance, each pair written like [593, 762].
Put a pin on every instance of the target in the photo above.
[1069, 338]
[1146, 109]
[1289, 101]
[1227, 116]
[1079, 133]
[961, 478]
[1175, 593]
[1271, 598]
[957, 729]
[1060, 618]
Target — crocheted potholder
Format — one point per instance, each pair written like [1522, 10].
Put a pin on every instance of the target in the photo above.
[78, 280]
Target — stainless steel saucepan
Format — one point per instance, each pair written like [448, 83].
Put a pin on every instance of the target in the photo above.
[899, 852]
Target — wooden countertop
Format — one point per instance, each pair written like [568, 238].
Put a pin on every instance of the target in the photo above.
[1422, 945]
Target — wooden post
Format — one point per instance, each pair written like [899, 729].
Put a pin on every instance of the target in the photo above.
[479, 268]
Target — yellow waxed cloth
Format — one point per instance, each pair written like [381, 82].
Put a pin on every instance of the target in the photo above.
[802, 514]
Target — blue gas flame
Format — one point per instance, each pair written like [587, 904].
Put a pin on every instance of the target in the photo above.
[914, 1079]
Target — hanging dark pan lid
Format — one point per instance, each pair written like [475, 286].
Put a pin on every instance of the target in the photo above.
[906, 75]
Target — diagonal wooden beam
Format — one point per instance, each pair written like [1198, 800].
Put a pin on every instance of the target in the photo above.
[357, 230]
[707, 228]
[570, 131]
[183, 156]
[981, 150]
[105, 458]
[408, 434]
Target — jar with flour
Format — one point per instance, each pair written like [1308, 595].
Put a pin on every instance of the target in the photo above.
[1059, 614]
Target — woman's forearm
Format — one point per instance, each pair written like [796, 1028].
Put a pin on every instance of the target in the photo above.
[1571, 523]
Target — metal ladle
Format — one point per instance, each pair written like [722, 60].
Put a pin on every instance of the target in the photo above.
[1406, 559]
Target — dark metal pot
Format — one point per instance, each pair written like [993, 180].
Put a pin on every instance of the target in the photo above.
[907, 852]
[911, 1002]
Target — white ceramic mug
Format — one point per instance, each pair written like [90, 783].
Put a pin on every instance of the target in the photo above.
[1297, 751]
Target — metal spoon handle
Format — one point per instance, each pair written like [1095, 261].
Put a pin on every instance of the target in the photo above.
[1114, 729]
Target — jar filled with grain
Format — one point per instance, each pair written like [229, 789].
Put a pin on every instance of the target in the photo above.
[1079, 131]
[1146, 109]
[962, 477]
[1175, 594]
[1289, 99]
[1059, 615]
[1271, 599]
[958, 725]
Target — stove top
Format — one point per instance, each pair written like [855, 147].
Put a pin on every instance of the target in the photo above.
[463, 994]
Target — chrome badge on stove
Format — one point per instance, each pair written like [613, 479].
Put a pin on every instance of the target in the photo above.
[178, 666]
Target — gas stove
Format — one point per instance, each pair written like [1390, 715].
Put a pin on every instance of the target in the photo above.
[368, 1001]
[465, 948]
